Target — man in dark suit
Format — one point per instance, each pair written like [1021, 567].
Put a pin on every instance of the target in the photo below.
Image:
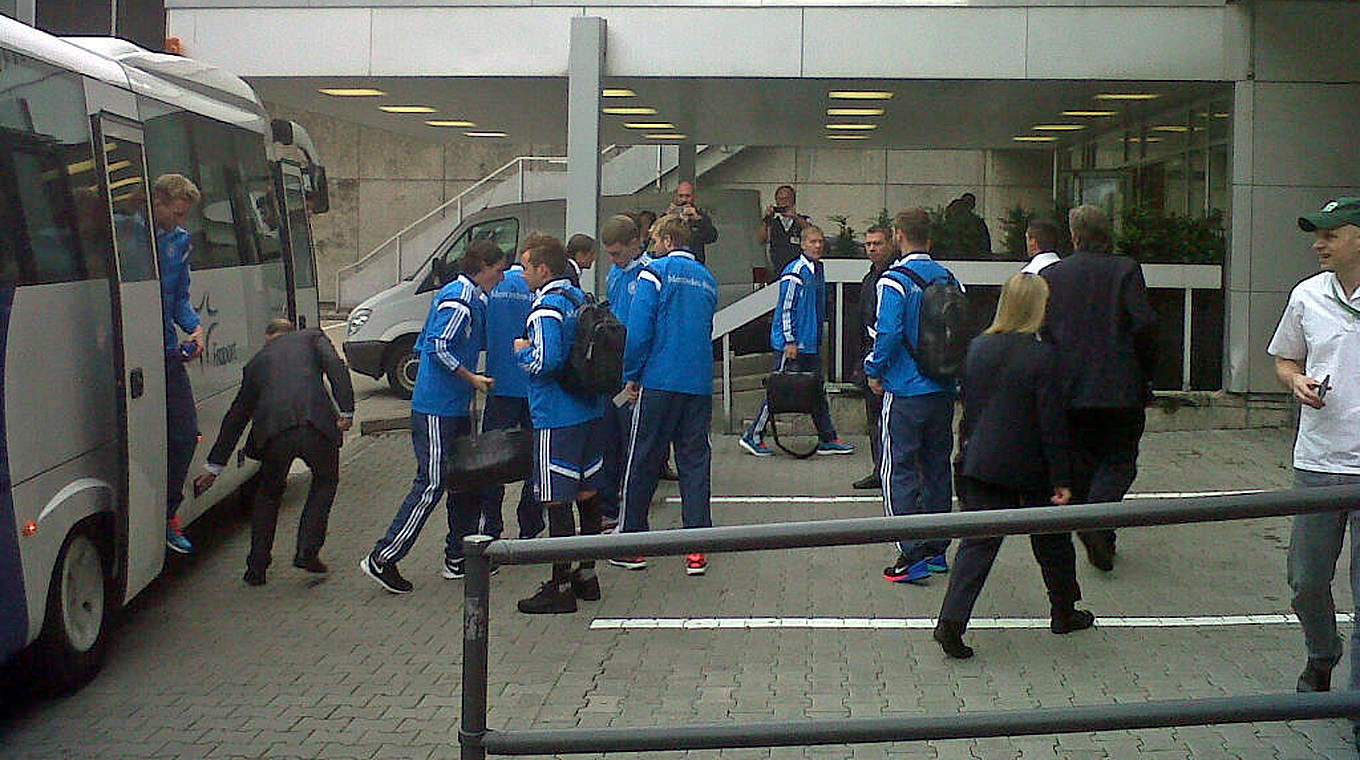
[291, 416]
[1105, 333]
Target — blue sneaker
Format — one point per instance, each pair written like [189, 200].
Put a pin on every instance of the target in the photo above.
[835, 447]
[906, 571]
[175, 539]
[755, 448]
[938, 563]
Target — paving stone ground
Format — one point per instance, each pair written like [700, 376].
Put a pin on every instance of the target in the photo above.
[331, 667]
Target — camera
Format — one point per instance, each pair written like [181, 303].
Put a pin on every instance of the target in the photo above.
[780, 209]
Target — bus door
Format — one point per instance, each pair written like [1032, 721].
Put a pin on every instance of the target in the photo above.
[297, 245]
[139, 349]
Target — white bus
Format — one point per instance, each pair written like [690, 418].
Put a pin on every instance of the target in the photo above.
[85, 125]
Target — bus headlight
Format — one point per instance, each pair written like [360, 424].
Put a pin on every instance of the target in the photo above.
[357, 320]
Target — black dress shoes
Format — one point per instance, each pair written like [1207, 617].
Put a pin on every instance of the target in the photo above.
[310, 564]
[868, 482]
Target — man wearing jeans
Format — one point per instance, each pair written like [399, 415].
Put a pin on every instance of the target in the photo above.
[918, 411]
[1317, 350]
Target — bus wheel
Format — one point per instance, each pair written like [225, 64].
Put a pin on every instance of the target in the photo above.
[73, 634]
[402, 365]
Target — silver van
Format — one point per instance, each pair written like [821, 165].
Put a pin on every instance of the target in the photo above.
[381, 331]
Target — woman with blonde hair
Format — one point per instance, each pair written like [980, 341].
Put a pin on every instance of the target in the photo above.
[1015, 454]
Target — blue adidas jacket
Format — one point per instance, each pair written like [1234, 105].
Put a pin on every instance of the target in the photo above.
[670, 326]
[551, 330]
[801, 306]
[622, 284]
[451, 338]
[507, 311]
[174, 247]
[899, 314]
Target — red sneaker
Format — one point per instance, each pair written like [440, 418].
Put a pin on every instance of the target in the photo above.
[696, 564]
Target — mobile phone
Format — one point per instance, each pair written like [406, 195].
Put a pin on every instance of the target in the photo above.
[1324, 386]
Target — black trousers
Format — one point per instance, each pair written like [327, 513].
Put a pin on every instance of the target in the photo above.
[873, 411]
[1105, 457]
[973, 561]
[322, 456]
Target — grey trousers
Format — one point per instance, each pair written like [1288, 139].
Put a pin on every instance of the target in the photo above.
[1314, 546]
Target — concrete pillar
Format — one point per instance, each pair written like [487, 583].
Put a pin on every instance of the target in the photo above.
[685, 167]
[585, 67]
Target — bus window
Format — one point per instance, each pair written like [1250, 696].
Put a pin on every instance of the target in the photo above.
[300, 234]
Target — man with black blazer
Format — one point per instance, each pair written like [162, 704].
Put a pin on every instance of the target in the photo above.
[1105, 332]
[291, 416]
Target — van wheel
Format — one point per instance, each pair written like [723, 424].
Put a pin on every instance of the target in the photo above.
[74, 629]
[402, 365]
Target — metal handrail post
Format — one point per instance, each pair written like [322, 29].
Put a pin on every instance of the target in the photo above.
[476, 614]
[1187, 337]
[727, 380]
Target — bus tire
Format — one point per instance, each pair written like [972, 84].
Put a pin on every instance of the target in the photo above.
[402, 364]
[71, 645]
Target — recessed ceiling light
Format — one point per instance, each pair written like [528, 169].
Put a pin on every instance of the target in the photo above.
[617, 92]
[1090, 114]
[1127, 96]
[860, 95]
[846, 137]
[484, 134]
[1058, 127]
[668, 136]
[450, 123]
[1170, 128]
[351, 92]
[1222, 115]
[1034, 138]
[406, 109]
[854, 112]
[852, 127]
[1142, 139]
[630, 111]
[648, 125]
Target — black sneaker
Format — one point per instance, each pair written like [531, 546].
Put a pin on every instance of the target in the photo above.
[456, 569]
[551, 599]
[587, 589]
[310, 564]
[387, 577]
[1068, 621]
[867, 482]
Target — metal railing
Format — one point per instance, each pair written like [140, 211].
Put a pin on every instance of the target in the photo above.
[477, 740]
[1186, 278]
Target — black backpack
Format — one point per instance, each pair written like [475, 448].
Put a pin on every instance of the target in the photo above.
[945, 326]
[594, 366]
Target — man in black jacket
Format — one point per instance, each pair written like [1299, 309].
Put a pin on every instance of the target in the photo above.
[701, 229]
[291, 416]
[882, 251]
[1105, 333]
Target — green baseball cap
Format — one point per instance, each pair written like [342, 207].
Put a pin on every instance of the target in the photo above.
[1337, 213]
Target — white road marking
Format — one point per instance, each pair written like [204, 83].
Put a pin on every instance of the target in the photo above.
[879, 499]
[1197, 621]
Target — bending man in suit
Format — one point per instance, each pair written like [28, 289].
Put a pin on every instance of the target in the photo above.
[291, 416]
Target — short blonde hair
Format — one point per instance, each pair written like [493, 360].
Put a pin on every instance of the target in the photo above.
[175, 187]
[1022, 306]
[673, 225]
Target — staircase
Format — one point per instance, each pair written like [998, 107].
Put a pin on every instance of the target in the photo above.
[625, 170]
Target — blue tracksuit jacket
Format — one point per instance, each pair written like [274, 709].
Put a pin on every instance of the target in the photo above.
[899, 313]
[451, 337]
[507, 311]
[551, 329]
[174, 247]
[670, 326]
[621, 284]
[801, 306]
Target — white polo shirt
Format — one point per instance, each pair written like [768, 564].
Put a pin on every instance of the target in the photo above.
[1320, 330]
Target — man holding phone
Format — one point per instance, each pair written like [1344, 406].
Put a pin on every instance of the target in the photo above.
[781, 229]
[1319, 337]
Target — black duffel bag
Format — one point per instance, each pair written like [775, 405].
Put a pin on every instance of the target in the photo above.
[792, 393]
[493, 458]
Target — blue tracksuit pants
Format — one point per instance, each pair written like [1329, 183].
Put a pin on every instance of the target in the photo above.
[430, 437]
[918, 437]
[181, 431]
[500, 413]
[613, 431]
[662, 419]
